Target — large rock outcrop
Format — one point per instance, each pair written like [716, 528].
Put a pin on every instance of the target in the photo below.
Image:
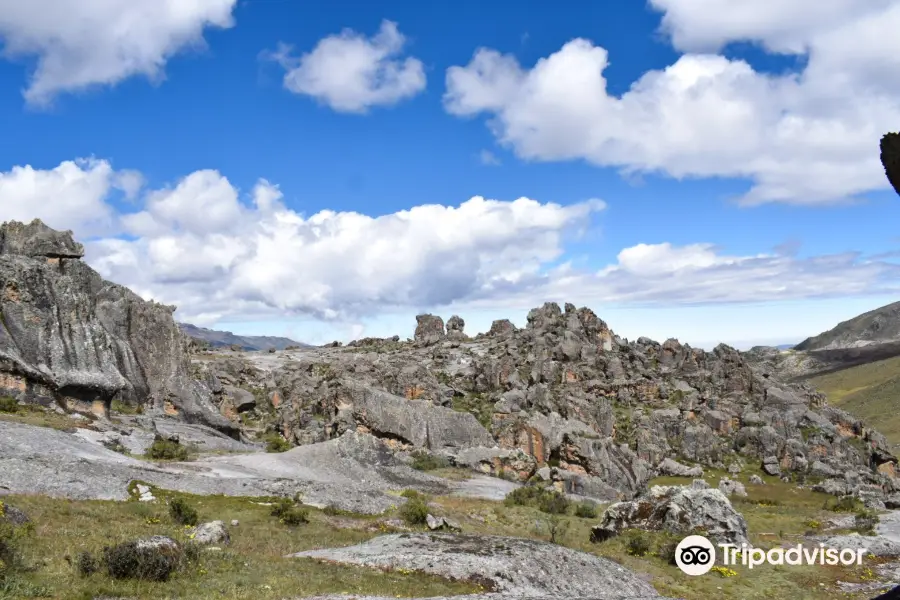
[71, 338]
[597, 414]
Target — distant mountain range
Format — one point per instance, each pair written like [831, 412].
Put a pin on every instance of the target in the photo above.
[879, 326]
[219, 339]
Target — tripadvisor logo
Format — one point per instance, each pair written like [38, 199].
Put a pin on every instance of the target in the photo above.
[696, 555]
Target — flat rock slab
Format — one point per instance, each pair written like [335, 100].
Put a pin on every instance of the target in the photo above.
[353, 473]
[482, 486]
[512, 566]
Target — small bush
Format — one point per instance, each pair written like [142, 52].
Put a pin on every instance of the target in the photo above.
[86, 564]
[414, 511]
[130, 561]
[586, 510]
[182, 512]
[331, 510]
[865, 521]
[637, 544]
[8, 404]
[556, 528]
[10, 555]
[424, 461]
[289, 513]
[666, 550]
[276, 443]
[843, 504]
[162, 449]
[546, 500]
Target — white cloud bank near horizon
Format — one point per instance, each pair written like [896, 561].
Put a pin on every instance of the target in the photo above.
[804, 137]
[79, 45]
[221, 255]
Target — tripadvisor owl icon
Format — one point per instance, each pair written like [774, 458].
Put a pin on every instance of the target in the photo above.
[695, 555]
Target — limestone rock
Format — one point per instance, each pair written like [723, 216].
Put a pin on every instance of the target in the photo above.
[429, 329]
[676, 469]
[730, 487]
[213, 532]
[677, 509]
[73, 339]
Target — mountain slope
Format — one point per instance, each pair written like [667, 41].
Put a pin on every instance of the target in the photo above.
[881, 325]
[870, 392]
[246, 342]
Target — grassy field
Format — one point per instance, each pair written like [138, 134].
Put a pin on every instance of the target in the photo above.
[870, 392]
[253, 565]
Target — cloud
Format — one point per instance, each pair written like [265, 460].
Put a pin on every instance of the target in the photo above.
[70, 196]
[80, 44]
[219, 253]
[351, 73]
[488, 158]
[804, 138]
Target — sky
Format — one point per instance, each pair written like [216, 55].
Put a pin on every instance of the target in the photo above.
[700, 169]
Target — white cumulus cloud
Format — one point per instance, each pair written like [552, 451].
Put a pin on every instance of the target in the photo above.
[807, 137]
[79, 44]
[221, 253]
[352, 73]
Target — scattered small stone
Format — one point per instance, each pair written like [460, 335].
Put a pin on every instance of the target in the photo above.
[213, 532]
[756, 480]
[730, 487]
[145, 494]
[235, 522]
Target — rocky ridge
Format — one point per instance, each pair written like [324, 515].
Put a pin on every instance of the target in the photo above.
[564, 400]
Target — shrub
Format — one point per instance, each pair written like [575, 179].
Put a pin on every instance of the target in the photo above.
[586, 510]
[556, 528]
[8, 404]
[666, 550]
[182, 512]
[424, 461]
[843, 504]
[162, 449]
[289, 513]
[131, 561]
[10, 555]
[276, 443]
[865, 521]
[637, 544]
[546, 500]
[86, 564]
[414, 511]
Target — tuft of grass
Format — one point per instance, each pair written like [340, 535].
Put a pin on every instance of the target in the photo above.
[182, 512]
[425, 461]
[843, 504]
[129, 560]
[546, 500]
[477, 404]
[289, 513]
[276, 443]
[586, 510]
[637, 543]
[162, 449]
[415, 510]
[8, 404]
[86, 564]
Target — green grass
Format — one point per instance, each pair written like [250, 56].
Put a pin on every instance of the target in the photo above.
[40, 417]
[478, 404]
[870, 392]
[252, 566]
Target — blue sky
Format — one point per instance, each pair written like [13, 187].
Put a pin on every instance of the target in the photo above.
[742, 158]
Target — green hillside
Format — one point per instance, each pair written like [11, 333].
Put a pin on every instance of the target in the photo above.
[870, 392]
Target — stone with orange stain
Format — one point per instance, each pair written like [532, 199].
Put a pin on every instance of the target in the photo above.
[845, 430]
[228, 410]
[52, 261]
[100, 408]
[571, 376]
[11, 292]
[276, 399]
[13, 382]
[414, 392]
[888, 468]
[169, 408]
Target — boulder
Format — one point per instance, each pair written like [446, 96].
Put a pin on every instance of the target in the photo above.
[429, 329]
[730, 487]
[680, 510]
[213, 532]
[675, 469]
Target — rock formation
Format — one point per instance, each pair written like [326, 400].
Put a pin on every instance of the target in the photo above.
[71, 338]
[890, 158]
